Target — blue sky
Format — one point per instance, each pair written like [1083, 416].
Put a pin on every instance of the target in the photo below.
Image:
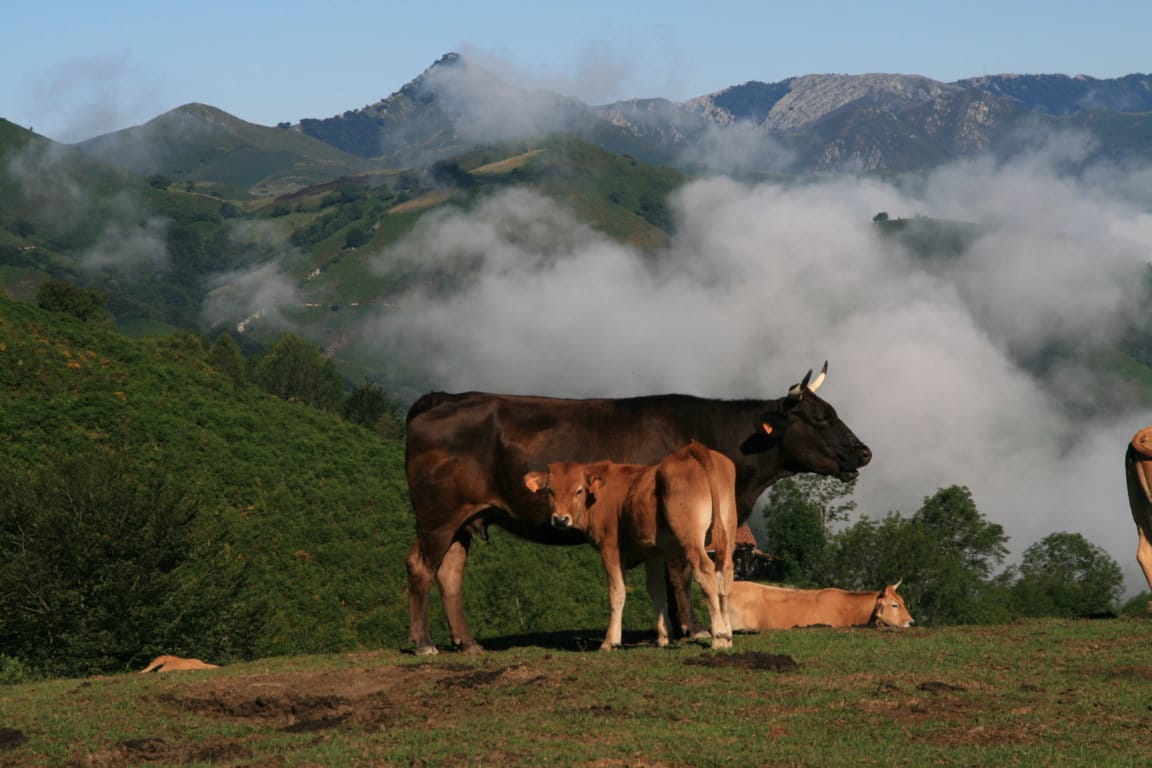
[76, 69]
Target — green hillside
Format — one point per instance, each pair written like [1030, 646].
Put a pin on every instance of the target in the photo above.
[165, 246]
[200, 144]
[150, 505]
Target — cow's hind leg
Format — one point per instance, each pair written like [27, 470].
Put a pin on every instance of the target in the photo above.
[1144, 557]
[654, 572]
[450, 577]
[705, 572]
[420, 576]
[680, 584]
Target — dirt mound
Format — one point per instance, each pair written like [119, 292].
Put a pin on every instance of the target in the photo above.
[368, 699]
[159, 751]
[754, 660]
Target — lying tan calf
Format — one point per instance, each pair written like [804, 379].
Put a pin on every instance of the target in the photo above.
[758, 606]
[175, 664]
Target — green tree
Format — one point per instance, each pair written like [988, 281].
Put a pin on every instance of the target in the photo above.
[82, 303]
[294, 369]
[951, 517]
[945, 554]
[797, 515]
[102, 564]
[366, 405]
[225, 356]
[355, 237]
[1066, 575]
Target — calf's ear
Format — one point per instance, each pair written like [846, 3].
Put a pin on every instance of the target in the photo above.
[594, 484]
[536, 481]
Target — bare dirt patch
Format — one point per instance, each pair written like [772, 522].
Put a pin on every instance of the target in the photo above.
[158, 751]
[364, 699]
[755, 660]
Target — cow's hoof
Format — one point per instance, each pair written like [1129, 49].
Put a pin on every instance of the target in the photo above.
[661, 642]
[471, 647]
[607, 646]
[426, 650]
[702, 634]
[721, 643]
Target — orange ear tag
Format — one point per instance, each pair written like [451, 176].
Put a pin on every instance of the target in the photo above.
[766, 427]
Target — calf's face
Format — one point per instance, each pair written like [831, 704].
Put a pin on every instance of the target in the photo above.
[890, 609]
[571, 490]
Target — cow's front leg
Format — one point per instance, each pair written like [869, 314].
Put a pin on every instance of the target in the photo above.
[657, 590]
[616, 595]
[450, 576]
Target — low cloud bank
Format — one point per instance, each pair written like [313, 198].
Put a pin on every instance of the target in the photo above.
[761, 283]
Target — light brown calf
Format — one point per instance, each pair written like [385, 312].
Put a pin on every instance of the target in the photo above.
[1138, 469]
[175, 663]
[668, 511]
[756, 607]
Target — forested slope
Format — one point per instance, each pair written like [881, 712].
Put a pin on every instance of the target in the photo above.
[150, 505]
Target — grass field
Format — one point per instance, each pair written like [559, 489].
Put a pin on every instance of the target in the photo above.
[1037, 692]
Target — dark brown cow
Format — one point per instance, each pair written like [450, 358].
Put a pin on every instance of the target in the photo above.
[467, 455]
[757, 607]
[1138, 469]
[634, 513]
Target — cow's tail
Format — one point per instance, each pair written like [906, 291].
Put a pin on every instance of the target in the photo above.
[721, 475]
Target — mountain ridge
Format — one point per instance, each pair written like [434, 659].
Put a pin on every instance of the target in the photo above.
[874, 123]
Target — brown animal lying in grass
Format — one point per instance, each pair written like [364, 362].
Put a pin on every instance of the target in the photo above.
[175, 663]
[757, 607]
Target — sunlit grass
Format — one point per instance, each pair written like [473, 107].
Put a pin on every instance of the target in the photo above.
[1038, 692]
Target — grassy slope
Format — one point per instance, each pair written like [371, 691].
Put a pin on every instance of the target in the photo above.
[309, 499]
[177, 237]
[1038, 692]
[315, 507]
[199, 143]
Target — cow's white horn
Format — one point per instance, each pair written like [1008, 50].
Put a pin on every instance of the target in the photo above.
[816, 382]
[798, 389]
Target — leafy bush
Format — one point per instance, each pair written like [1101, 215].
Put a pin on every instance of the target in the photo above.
[101, 563]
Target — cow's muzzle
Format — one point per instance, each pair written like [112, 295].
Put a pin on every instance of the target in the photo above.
[849, 467]
[561, 521]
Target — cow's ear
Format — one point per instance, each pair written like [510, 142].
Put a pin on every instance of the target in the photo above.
[595, 483]
[773, 423]
[769, 431]
[536, 481]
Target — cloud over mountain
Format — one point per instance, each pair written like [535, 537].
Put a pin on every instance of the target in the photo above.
[764, 281]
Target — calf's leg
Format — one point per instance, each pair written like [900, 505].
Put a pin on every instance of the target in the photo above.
[616, 595]
[705, 573]
[654, 572]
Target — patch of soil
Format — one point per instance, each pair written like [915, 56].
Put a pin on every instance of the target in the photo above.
[754, 660]
[368, 699]
[158, 751]
[935, 686]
